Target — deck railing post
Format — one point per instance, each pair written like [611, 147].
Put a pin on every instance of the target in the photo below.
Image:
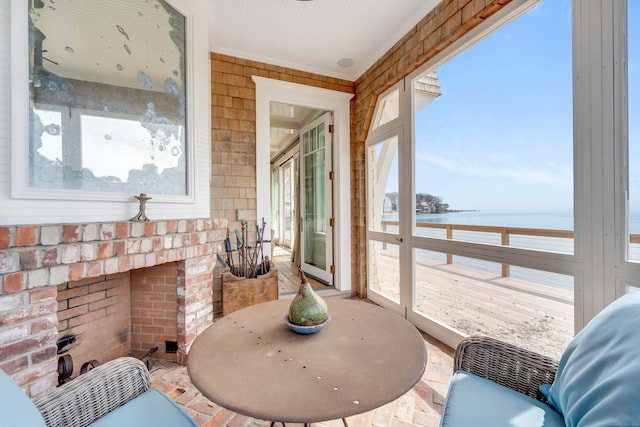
[505, 242]
[449, 237]
[384, 229]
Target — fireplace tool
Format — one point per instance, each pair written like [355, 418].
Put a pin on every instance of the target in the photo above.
[147, 359]
[248, 256]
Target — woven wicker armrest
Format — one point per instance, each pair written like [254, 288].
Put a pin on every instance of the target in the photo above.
[506, 364]
[94, 394]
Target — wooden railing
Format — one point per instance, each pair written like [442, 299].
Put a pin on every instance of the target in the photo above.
[504, 232]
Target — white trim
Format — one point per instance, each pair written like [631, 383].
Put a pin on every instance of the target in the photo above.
[268, 90]
[601, 150]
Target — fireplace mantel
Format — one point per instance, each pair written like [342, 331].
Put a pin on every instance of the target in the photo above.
[35, 259]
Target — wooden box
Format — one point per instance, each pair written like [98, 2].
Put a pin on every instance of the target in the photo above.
[238, 292]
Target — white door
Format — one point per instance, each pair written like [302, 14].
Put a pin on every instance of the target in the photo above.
[316, 195]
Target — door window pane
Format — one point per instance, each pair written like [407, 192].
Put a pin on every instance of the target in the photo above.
[384, 269]
[288, 203]
[382, 181]
[275, 205]
[388, 109]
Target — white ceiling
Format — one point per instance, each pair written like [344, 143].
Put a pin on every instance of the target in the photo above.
[315, 35]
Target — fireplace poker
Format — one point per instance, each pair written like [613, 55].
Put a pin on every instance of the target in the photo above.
[239, 246]
[258, 249]
[227, 248]
[222, 261]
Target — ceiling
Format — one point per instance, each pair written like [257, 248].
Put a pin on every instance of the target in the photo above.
[286, 122]
[336, 38]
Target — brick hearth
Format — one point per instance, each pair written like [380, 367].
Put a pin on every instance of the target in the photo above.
[127, 286]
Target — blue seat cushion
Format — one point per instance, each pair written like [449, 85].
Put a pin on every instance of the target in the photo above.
[598, 378]
[478, 402]
[16, 409]
[151, 408]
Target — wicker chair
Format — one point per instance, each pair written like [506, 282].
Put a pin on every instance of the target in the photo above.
[116, 393]
[595, 382]
[505, 364]
[94, 394]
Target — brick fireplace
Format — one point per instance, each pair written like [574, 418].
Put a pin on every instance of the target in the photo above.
[118, 289]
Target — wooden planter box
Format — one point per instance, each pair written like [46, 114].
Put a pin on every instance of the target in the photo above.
[238, 292]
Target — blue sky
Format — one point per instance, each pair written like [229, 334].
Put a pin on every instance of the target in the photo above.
[500, 135]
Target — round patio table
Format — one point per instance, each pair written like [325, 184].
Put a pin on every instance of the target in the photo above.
[250, 362]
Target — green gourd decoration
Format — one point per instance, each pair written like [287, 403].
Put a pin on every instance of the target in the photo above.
[307, 307]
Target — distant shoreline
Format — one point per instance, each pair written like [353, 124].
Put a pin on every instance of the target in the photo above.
[447, 211]
[435, 213]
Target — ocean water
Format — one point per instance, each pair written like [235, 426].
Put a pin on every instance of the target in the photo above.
[555, 219]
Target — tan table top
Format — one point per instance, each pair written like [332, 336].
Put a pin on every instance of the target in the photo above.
[250, 362]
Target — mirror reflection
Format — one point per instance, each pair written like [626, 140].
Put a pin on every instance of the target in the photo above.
[107, 96]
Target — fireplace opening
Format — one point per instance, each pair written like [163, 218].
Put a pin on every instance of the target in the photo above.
[125, 314]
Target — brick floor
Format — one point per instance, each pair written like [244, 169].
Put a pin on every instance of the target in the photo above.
[421, 406]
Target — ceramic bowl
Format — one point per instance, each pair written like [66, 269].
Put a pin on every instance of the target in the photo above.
[306, 330]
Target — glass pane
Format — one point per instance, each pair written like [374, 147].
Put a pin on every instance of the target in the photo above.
[388, 109]
[496, 150]
[529, 308]
[633, 38]
[306, 143]
[321, 140]
[275, 205]
[314, 139]
[384, 269]
[382, 182]
[288, 203]
[314, 228]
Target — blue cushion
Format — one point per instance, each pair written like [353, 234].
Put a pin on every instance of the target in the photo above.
[598, 378]
[478, 402]
[16, 409]
[151, 408]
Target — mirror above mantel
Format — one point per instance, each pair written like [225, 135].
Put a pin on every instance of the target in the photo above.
[107, 97]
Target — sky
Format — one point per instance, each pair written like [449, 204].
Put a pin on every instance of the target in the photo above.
[500, 135]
